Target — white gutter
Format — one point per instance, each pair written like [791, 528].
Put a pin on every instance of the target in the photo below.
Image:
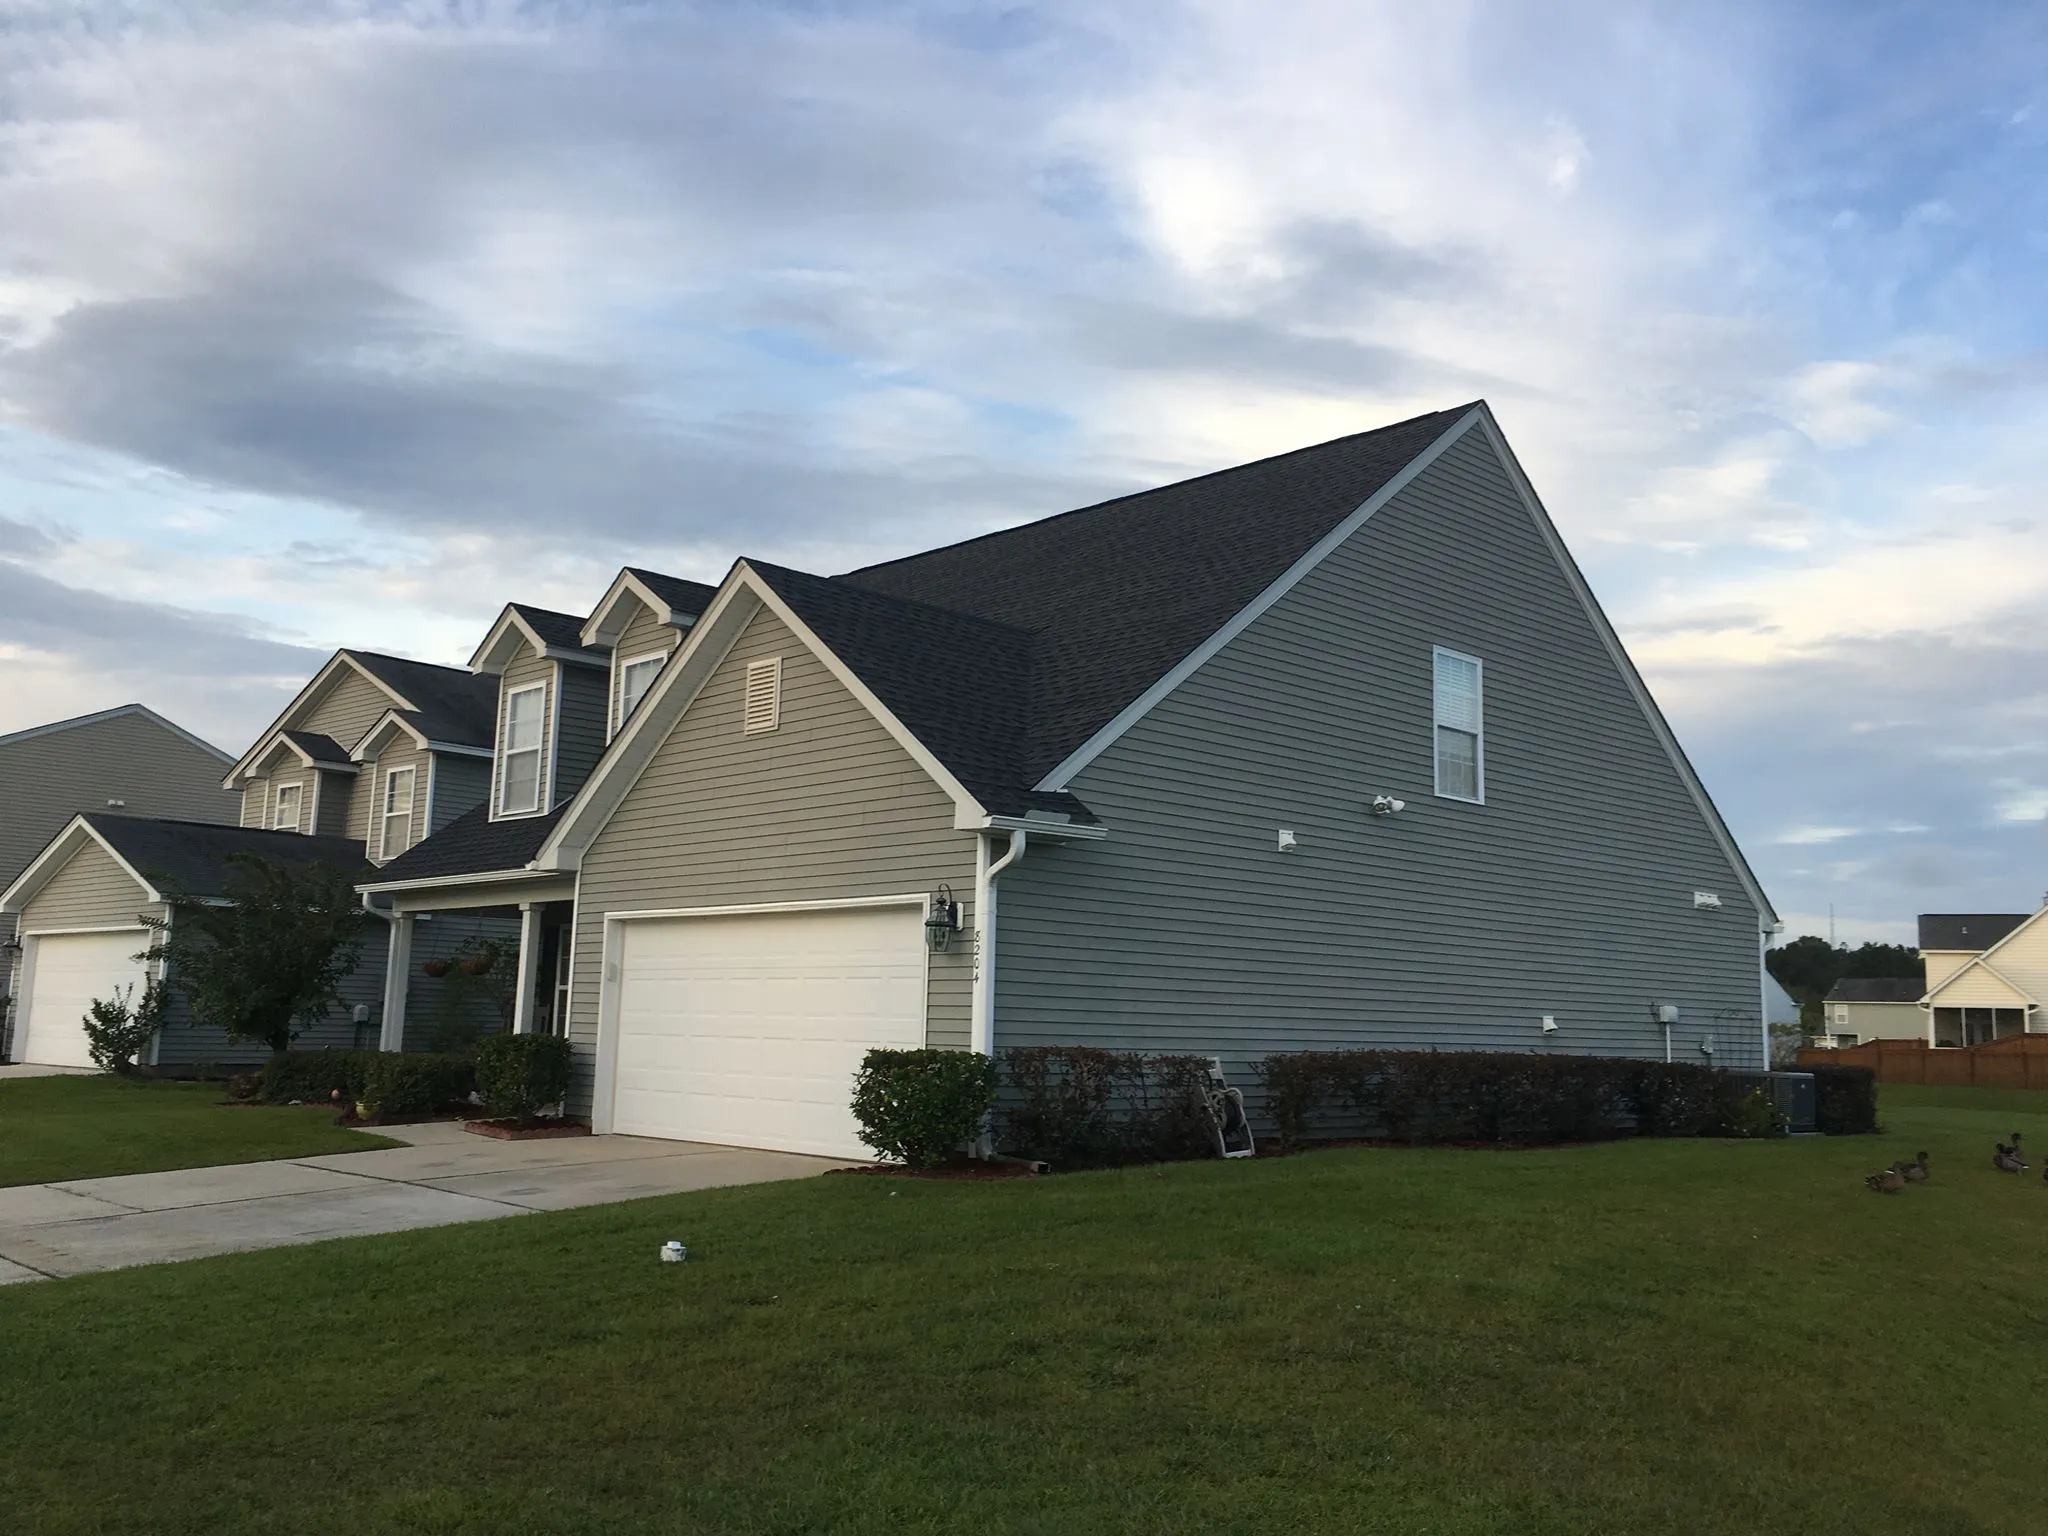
[983, 1029]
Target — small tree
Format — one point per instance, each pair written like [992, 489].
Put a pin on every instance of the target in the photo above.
[118, 1028]
[270, 959]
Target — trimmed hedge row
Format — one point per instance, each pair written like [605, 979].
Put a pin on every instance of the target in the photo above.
[518, 1076]
[1502, 1097]
[388, 1082]
[1075, 1106]
[922, 1107]
[1844, 1100]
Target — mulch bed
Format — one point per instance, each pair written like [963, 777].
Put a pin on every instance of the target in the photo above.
[525, 1130]
[350, 1117]
[959, 1168]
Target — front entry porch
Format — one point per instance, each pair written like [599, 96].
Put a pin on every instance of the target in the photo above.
[505, 944]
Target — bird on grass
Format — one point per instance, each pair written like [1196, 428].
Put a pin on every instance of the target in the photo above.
[2006, 1159]
[1888, 1182]
[1915, 1171]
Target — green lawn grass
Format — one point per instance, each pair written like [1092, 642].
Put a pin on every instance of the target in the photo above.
[64, 1128]
[1687, 1337]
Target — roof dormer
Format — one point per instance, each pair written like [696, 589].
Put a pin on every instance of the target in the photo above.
[642, 619]
[523, 631]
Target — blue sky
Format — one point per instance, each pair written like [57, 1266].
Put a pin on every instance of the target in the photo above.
[331, 324]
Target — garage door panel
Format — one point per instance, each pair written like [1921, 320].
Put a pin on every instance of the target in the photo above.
[749, 1030]
[71, 971]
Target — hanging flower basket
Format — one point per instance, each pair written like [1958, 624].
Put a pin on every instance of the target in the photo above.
[434, 967]
[478, 965]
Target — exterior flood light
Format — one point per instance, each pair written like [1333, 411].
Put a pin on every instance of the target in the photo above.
[942, 919]
[1386, 805]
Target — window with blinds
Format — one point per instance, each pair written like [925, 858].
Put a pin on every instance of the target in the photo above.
[1460, 731]
[763, 709]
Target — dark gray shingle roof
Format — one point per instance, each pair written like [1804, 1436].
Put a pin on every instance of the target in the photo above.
[1877, 989]
[322, 749]
[1967, 930]
[472, 844]
[191, 857]
[450, 704]
[1113, 596]
[685, 597]
[563, 629]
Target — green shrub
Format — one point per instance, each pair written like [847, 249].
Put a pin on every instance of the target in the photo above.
[921, 1106]
[415, 1083]
[518, 1076]
[119, 1029]
[1078, 1106]
[314, 1076]
[1844, 1100]
[1742, 1110]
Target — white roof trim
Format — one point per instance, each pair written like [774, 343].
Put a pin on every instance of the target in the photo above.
[1983, 956]
[1144, 703]
[1975, 963]
[1767, 915]
[115, 713]
[493, 656]
[267, 750]
[599, 629]
[390, 720]
[60, 850]
[480, 877]
[305, 695]
[743, 594]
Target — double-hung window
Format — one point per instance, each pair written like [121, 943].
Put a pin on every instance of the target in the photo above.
[635, 678]
[1460, 728]
[284, 814]
[519, 752]
[395, 817]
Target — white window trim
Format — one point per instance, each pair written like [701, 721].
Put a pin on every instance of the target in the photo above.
[1435, 724]
[539, 750]
[277, 792]
[619, 715]
[385, 814]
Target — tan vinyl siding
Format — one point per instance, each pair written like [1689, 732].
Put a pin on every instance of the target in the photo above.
[827, 807]
[47, 779]
[256, 803]
[347, 710]
[525, 673]
[1941, 964]
[645, 636]
[92, 890]
[580, 721]
[1879, 1021]
[400, 754]
[1568, 892]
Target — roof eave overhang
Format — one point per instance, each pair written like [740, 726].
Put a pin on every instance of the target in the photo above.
[340, 659]
[56, 854]
[604, 627]
[1045, 826]
[477, 877]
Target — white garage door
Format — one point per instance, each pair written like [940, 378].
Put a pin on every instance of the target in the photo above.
[748, 1030]
[70, 970]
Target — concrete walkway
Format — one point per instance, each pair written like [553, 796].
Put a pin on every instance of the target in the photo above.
[443, 1175]
[23, 1069]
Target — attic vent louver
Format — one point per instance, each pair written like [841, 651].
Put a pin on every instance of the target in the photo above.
[764, 696]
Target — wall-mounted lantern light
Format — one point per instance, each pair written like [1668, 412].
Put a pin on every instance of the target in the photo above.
[942, 919]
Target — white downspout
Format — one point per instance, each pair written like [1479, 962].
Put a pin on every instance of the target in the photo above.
[983, 1027]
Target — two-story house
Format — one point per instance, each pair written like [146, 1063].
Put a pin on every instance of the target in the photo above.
[1331, 749]
[375, 754]
[130, 761]
[1987, 975]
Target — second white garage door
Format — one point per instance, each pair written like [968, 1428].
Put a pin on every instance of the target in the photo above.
[747, 1030]
[69, 971]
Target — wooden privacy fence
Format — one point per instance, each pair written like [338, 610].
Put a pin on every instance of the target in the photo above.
[2018, 1061]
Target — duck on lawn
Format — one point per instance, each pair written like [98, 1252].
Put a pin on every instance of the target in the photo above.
[2007, 1159]
[1889, 1182]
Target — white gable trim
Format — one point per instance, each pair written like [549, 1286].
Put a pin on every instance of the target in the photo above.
[1932, 999]
[1144, 703]
[743, 595]
[48, 864]
[393, 722]
[512, 631]
[338, 662]
[604, 626]
[1767, 915]
[1983, 957]
[120, 711]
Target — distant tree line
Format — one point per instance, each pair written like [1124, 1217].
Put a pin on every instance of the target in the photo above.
[1809, 965]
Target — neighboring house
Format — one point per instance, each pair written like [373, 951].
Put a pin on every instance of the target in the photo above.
[373, 755]
[1987, 974]
[129, 759]
[1859, 1009]
[85, 903]
[1333, 749]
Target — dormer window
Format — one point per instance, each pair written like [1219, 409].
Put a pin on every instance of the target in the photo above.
[394, 828]
[284, 813]
[635, 678]
[519, 773]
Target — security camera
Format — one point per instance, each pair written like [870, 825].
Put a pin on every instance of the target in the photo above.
[1387, 805]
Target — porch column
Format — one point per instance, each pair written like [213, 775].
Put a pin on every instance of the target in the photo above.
[529, 966]
[397, 975]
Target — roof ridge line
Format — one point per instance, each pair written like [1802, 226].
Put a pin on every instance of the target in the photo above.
[842, 584]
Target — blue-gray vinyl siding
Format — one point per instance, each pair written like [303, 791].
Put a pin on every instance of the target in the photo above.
[580, 726]
[1569, 892]
[461, 784]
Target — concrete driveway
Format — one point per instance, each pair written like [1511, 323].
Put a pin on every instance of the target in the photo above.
[442, 1175]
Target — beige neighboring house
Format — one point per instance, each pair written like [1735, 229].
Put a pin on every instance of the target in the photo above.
[1859, 1009]
[1986, 975]
[129, 760]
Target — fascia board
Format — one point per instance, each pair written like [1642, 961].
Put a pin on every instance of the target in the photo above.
[305, 695]
[1063, 775]
[45, 866]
